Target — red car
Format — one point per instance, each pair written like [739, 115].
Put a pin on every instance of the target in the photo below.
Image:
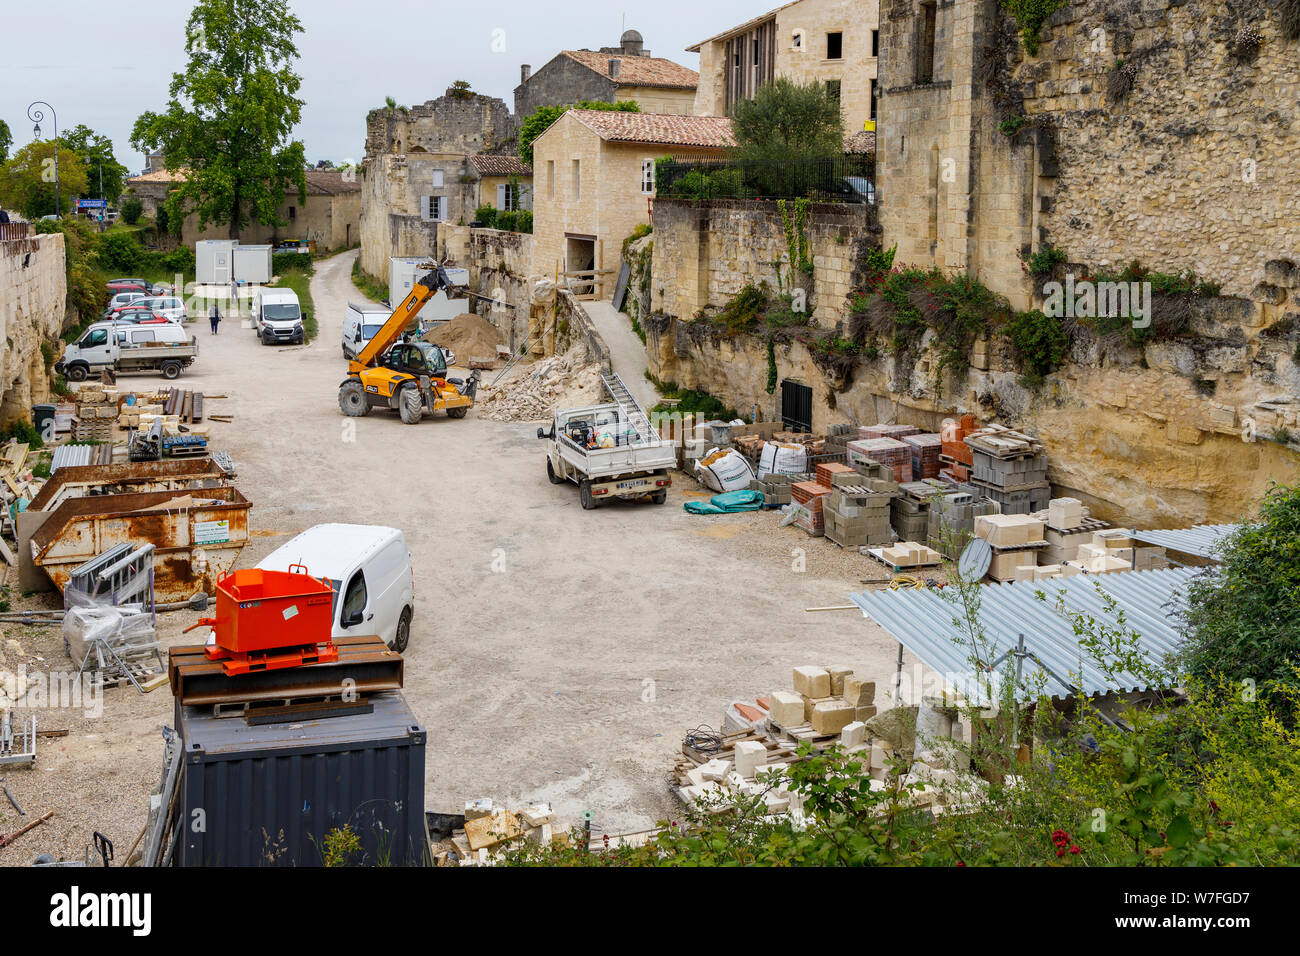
[138, 315]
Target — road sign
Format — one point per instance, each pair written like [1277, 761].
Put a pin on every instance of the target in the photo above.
[92, 203]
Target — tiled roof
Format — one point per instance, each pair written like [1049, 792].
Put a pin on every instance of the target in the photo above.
[158, 176]
[330, 182]
[638, 70]
[664, 129]
[861, 142]
[741, 28]
[494, 164]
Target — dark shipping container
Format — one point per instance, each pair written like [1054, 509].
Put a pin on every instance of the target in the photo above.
[267, 795]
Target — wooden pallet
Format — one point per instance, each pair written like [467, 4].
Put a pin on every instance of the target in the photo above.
[142, 671]
[874, 554]
[803, 734]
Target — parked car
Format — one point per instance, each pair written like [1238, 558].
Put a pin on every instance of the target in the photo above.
[118, 286]
[277, 317]
[119, 301]
[134, 314]
[169, 307]
[369, 568]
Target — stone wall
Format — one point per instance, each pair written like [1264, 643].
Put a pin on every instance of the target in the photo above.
[704, 253]
[33, 296]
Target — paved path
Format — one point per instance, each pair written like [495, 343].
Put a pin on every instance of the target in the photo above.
[626, 351]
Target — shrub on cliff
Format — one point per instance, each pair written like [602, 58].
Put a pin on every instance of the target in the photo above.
[1040, 343]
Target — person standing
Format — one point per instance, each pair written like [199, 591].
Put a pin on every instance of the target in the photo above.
[4, 216]
[214, 317]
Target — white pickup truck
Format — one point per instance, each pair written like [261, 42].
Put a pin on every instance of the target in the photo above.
[609, 451]
[164, 347]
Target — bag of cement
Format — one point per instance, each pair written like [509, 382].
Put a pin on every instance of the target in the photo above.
[897, 727]
[782, 458]
[724, 470]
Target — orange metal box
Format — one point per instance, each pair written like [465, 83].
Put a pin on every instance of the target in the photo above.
[259, 610]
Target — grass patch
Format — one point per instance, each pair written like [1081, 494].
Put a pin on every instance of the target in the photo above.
[702, 405]
[300, 283]
[370, 286]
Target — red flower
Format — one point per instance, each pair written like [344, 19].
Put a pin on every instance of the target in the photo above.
[1061, 852]
[961, 862]
[1075, 849]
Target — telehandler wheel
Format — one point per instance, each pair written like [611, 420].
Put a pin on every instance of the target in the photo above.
[584, 495]
[352, 400]
[550, 474]
[458, 412]
[410, 405]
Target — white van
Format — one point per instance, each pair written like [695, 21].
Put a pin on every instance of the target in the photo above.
[277, 317]
[360, 325]
[369, 568]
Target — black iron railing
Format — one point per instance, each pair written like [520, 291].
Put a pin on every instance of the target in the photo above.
[848, 178]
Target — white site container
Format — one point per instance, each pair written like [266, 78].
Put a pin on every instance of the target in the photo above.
[402, 273]
[214, 261]
[253, 264]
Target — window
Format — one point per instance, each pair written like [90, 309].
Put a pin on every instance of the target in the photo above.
[834, 46]
[354, 600]
[833, 89]
[550, 179]
[577, 179]
[293, 213]
[433, 208]
[97, 337]
[437, 179]
[925, 44]
[512, 196]
[875, 43]
[755, 42]
[648, 176]
[796, 41]
[873, 98]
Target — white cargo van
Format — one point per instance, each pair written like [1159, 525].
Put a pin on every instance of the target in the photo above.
[369, 568]
[360, 325]
[277, 317]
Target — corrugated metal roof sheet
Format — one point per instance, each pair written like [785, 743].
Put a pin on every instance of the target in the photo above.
[1199, 540]
[70, 455]
[923, 621]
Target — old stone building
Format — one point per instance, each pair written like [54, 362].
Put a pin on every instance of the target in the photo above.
[415, 174]
[503, 182]
[610, 74]
[835, 42]
[594, 183]
[330, 216]
[987, 153]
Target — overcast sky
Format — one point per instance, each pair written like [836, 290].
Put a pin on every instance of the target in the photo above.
[102, 63]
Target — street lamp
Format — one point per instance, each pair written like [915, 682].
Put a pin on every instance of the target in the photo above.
[36, 116]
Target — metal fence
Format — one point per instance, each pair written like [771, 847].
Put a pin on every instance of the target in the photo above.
[14, 230]
[847, 178]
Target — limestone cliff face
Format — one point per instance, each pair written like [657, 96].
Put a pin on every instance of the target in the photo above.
[33, 296]
[1143, 445]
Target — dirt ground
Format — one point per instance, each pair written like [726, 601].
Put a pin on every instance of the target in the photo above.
[555, 653]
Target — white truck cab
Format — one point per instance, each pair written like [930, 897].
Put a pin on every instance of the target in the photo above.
[369, 568]
[277, 317]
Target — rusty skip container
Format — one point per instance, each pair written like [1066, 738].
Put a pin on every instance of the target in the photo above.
[268, 794]
[77, 481]
[197, 535]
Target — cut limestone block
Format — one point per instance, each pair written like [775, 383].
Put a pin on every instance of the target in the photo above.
[812, 681]
[786, 708]
[482, 807]
[837, 673]
[491, 830]
[715, 769]
[859, 692]
[854, 734]
[750, 755]
[832, 716]
[864, 713]
[810, 702]
[538, 814]
[772, 775]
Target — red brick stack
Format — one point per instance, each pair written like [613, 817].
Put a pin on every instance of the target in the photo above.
[925, 454]
[810, 495]
[826, 473]
[894, 454]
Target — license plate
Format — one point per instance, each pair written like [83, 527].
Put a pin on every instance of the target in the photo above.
[629, 484]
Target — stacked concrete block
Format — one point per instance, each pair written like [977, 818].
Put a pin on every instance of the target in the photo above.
[1065, 513]
[887, 451]
[854, 516]
[910, 554]
[1009, 467]
[951, 521]
[882, 430]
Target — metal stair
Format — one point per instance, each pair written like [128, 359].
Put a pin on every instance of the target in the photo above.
[632, 410]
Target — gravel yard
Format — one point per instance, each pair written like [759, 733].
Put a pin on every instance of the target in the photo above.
[555, 653]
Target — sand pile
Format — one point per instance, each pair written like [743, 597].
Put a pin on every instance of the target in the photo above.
[562, 381]
[470, 336]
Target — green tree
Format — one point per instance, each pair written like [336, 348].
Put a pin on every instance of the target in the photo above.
[6, 140]
[788, 121]
[1244, 617]
[231, 114]
[132, 209]
[27, 179]
[541, 119]
[96, 154]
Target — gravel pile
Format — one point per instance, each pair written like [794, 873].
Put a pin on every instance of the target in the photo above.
[558, 382]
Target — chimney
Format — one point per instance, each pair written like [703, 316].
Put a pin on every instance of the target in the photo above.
[614, 66]
[525, 71]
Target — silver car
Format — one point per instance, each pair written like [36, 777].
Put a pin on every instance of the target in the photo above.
[167, 306]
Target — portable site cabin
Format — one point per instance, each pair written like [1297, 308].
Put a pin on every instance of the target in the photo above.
[214, 261]
[402, 273]
[253, 264]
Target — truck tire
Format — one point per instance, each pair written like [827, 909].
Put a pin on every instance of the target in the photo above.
[410, 405]
[403, 635]
[171, 370]
[585, 496]
[551, 475]
[659, 497]
[352, 399]
[458, 412]
[77, 373]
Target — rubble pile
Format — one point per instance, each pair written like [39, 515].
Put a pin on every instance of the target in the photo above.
[565, 381]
